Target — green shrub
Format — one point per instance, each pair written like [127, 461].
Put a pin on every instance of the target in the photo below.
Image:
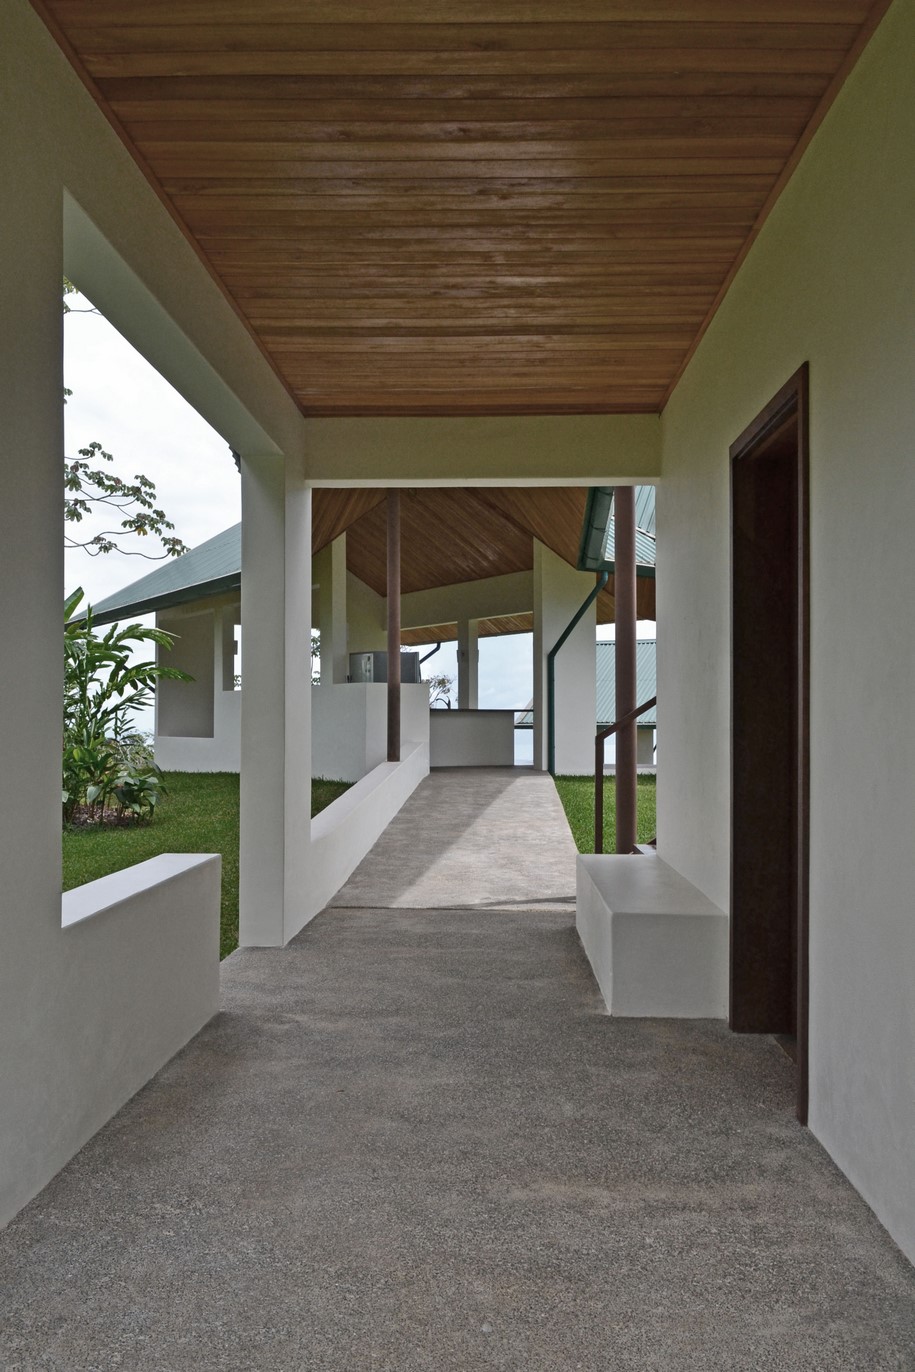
[108, 768]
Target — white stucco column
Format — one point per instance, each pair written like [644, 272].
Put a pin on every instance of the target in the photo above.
[468, 663]
[276, 700]
[559, 591]
[330, 575]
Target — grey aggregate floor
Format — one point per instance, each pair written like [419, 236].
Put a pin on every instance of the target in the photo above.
[412, 1142]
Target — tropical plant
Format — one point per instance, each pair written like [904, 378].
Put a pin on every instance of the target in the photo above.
[440, 688]
[106, 764]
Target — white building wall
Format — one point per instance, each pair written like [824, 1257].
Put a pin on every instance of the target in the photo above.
[189, 737]
[74, 1001]
[186, 709]
[366, 614]
[349, 726]
[559, 592]
[831, 280]
[329, 614]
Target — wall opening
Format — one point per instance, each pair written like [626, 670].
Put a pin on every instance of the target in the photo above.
[769, 727]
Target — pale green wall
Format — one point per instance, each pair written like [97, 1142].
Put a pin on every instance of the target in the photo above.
[548, 450]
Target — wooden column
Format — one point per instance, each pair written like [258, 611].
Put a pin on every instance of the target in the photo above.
[624, 595]
[393, 589]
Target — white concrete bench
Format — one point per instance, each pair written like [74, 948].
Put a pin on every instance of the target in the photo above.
[657, 945]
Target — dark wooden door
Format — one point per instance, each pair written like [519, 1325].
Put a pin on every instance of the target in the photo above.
[769, 726]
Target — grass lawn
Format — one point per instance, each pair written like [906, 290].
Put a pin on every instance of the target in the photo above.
[199, 815]
[577, 795]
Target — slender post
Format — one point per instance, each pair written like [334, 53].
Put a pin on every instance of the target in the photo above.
[626, 738]
[393, 589]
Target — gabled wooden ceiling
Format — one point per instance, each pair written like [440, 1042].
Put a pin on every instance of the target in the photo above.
[450, 534]
[496, 206]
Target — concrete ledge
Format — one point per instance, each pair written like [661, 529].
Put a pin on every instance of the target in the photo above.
[657, 946]
[471, 738]
[342, 834]
[139, 977]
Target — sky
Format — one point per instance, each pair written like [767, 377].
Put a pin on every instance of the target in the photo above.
[120, 401]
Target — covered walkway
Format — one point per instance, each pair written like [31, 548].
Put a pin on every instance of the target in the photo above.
[493, 836]
[413, 1141]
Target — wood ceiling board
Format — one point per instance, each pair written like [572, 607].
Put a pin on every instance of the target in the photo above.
[432, 633]
[419, 211]
[333, 511]
[451, 535]
[587, 86]
[444, 539]
[134, 35]
[175, 13]
[486, 628]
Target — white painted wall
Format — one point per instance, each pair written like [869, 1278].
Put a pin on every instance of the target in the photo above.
[472, 738]
[198, 724]
[543, 450]
[350, 726]
[275, 789]
[330, 586]
[219, 753]
[559, 591]
[185, 709]
[830, 280]
[342, 834]
[366, 614]
[511, 594]
[87, 1013]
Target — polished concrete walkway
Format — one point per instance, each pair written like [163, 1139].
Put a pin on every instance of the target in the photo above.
[471, 836]
[412, 1142]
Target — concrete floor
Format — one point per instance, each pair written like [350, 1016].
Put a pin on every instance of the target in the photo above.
[412, 1142]
[471, 836]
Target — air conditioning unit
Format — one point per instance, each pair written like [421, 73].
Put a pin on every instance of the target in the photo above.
[374, 667]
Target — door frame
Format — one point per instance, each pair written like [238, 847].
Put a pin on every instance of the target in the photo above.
[791, 398]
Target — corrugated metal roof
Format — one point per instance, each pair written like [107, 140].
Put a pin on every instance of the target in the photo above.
[644, 509]
[209, 569]
[646, 683]
[645, 547]
[646, 676]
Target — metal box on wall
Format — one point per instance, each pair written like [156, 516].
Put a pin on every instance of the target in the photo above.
[374, 667]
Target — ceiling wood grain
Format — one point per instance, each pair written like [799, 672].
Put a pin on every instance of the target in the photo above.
[424, 208]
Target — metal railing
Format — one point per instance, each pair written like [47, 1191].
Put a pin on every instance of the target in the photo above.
[599, 742]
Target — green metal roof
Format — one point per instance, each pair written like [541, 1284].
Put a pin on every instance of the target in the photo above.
[646, 684]
[646, 680]
[597, 547]
[212, 568]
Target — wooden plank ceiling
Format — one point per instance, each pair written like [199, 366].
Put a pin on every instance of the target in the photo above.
[498, 206]
[449, 535]
[486, 628]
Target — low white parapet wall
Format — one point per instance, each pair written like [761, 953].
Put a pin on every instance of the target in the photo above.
[472, 738]
[139, 978]
[219, 752]
[349, 726]
[342, 834]
[657, 946]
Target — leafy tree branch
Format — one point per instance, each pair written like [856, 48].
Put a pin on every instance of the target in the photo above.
[90, 488]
